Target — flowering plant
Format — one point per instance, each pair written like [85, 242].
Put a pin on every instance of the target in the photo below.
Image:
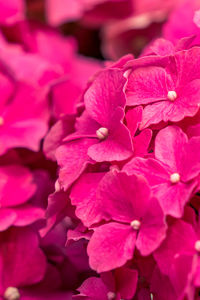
[100, 160]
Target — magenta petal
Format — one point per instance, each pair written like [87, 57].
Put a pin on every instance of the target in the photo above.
[133, 118]
[188, 65]
[174, 110]
[28, 214]
[16, 185]
[173, 197]
[85, 126]
[147, 85]
[141, 142]
[126, 282]
[176, 141]
[94, 289]
[56, 134]
[7, 218]
[123, 197]
[20, 253]
[111, 246]
[190, 162]
[117, 146]
[105, 95]
[11, 11]
[162, 286]
[180, 240]
[21, 124]
[153, 229]
[150, 168]
[72, 158]
[63, 10]
[39, 294]
[83, 195]
[155, 113]
[181, 275]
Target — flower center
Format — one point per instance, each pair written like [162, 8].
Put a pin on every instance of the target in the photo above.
[102, 133]
[57, 186]
[1, 121]
[172, 95]
[136, 224]
[197, 246]
[111, 296]
[11, 293]
[175, 177]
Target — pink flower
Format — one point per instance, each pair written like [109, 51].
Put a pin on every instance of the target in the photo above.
[20, 253]
[186, 11]
[100, 133]
[17, 192]
[23, 127]
[122, 283]
[173, 174]
[165, 89]
[178, 257]
[137, 220]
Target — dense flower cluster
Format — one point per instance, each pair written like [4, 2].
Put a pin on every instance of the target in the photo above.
[100, 160]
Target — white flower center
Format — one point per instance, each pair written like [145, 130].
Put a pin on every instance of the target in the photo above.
[57, 186]
[1, 121]
[197, 246]
[172, 95]
[136, 224]
[175, 177]
[111, 296]
[11, 293]
[102, 133]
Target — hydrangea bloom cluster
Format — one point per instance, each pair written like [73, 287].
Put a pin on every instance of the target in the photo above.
[100, 160]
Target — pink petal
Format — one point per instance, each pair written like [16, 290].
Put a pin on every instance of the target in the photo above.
[11, 11]
[191, 159]
[150, 168]
[126, 282]
[94, 288]
[111, 246]
[20, 253]
[72, 158]
[153, 229]
[117, 146]
[141, 142]
[133, 118]
[16, 185]
[105, 95]
[173, 197]
[7, 218]
[180, 240]
[28, 214]
[147, 85]
[124, 198]
[60, 11]
[56, 134]
[176, 141]
[83, 195]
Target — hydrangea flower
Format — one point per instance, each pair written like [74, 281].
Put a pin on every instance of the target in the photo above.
[136, 220]
[173, 173]
[165, 90]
